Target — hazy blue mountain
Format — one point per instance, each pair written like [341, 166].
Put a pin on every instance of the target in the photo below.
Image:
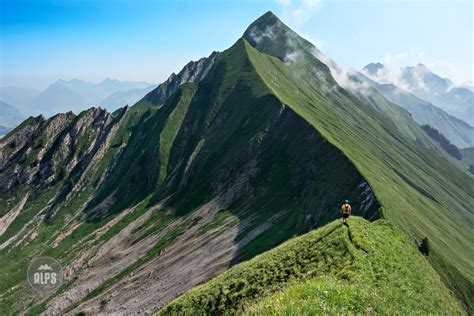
[20, 97]
[62, 96]
[440, 91]
[373, 69]
[194, 71]
[10, 117]
[424, 112]
[4, 130]
[423, 83]
[127, 97]
[74, 95]
[114, 85]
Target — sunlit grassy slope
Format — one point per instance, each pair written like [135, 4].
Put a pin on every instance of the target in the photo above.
[420, 192]
[366, 267]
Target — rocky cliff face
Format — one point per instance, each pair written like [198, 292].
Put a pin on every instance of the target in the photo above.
[45, 152]
[194, 71]
[141, 205]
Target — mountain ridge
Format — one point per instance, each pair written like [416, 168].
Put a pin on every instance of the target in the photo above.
[293, 277]
[369, 168]
[231, 168]
[224, 169]
[423, 83]
[457, 131]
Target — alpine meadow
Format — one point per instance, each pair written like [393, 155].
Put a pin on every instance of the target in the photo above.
[219, 192]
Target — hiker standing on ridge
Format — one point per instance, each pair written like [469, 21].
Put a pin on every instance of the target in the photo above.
[346, 211]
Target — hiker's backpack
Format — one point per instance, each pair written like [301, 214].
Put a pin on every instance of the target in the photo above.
[345, 208]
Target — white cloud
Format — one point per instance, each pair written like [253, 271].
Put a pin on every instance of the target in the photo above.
[400, 59]
[292, 57]
[460, 75]
[257, 34]
[387, 75]
[299, 11]
[395, 61]
[341, 75]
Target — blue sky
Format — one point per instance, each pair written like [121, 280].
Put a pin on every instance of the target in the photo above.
[44, 40]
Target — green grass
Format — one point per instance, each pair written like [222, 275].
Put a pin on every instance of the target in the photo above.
[422, 193]
[325, 272]
[171, 128]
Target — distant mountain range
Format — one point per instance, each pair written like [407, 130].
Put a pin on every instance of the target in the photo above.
[456, 130]
[9, 117]
[423, 83]
[75, 95]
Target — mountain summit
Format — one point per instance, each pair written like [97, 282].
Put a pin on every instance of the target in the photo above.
[238, 153]
[372, 69]
[269, 35]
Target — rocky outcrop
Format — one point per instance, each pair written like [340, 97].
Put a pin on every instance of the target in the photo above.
[45, 151]
[140, 206]
[194, 71]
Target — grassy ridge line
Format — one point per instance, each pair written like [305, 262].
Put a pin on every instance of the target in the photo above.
[374, 268]
[257, 277]
[408, 180]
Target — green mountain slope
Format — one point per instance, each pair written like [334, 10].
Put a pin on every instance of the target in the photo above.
[421, 193]
[224, 148]
[363, 268]
[240, 132]
[143, 204]
[458, 132]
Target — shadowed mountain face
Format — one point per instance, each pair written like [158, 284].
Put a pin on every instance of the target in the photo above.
[234, 155]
